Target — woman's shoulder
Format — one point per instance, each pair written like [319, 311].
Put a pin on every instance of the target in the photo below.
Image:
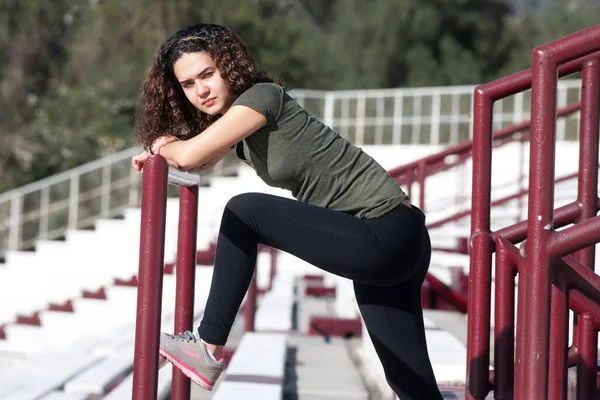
[264, 97]
[265, 87]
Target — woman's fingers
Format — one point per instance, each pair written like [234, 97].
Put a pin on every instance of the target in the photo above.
[161, 141]
[138, 160]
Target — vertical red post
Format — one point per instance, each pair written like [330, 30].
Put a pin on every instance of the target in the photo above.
[520, 336]
[150, 274]
[540, 222]
[587, 191]
[478, 346]
[250, 305]
[504, 327]
[587, 363]
[559, 334]
[186, 278]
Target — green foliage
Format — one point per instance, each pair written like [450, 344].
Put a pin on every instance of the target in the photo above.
[70, 70]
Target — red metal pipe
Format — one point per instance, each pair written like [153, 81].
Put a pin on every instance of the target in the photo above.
[579, 277]
[150, 276]
[540, 219]
[504, 327]
[587, 197]
[559, 334]
[478, 345]
[587, 191]
[581, 304]
[516, 233]
[450, 295]
[520, 336]
[521, 81]
[539, 223]
[465, 148]
[186, 278]
[588, 356]
[580, 236]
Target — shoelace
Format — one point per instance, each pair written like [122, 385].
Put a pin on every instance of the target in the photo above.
[188, 336]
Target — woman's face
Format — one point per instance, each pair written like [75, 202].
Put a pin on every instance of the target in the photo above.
[202, 84]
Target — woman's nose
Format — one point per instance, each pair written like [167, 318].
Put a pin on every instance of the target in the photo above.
[201, 89]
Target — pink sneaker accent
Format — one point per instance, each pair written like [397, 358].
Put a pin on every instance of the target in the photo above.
[190, 353]
[188, 371]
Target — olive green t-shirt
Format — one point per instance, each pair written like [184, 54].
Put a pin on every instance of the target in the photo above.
[296, 151]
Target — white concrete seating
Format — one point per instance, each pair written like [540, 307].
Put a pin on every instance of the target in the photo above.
[124, 390]
[448, 356]
[116, 315]
[59, 395]
[275, 309]
[97, 379]
[256, 370]
[117, 364]
[59, 270]
[94, 369]
[119, 353]
[34, 378]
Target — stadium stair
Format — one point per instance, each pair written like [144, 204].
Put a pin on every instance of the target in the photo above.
[68, 308]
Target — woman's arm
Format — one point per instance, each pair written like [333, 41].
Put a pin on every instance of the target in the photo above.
[235, 125]
[212, 162]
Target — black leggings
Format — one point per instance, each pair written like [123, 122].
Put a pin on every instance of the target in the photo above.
[386, 257]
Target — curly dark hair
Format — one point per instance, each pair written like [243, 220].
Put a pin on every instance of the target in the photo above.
[162, 107]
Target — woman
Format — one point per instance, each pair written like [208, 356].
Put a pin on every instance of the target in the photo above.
[205, 96]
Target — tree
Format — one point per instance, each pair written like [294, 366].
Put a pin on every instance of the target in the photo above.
[532, 30]
[33, 36]
[419, 43]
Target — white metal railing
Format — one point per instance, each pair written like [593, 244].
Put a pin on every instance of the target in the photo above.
[436, 115]
[440, 115]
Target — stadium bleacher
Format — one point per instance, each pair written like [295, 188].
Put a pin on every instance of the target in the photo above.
[89, 351]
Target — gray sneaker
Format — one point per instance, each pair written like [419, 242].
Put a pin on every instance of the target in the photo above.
[192, 357]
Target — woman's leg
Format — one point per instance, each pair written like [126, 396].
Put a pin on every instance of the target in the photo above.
[336, 242]
[393, 316]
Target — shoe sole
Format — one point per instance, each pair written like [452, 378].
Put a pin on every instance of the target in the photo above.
[195, 377]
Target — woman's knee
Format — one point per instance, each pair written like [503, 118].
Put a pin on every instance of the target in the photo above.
[243, 203]
[241, 214]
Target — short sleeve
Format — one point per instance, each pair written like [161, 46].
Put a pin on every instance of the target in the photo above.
[266, 98]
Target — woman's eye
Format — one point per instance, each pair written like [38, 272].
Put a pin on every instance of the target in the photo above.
[208, 75]
[187, 85]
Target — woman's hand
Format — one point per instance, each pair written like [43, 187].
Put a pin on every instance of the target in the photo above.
[161, 141]
[138, 160]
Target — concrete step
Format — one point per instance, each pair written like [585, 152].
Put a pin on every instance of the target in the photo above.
[449, 321]
[322, 369]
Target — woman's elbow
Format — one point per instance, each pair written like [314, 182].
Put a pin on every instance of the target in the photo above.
[188, 162]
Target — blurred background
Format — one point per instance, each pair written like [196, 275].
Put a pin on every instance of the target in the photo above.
[70, 70]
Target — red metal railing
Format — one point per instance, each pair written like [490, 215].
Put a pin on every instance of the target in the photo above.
[150, 275]
[450, 158]
[156, 178]
[418, 171]
[549, 278]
